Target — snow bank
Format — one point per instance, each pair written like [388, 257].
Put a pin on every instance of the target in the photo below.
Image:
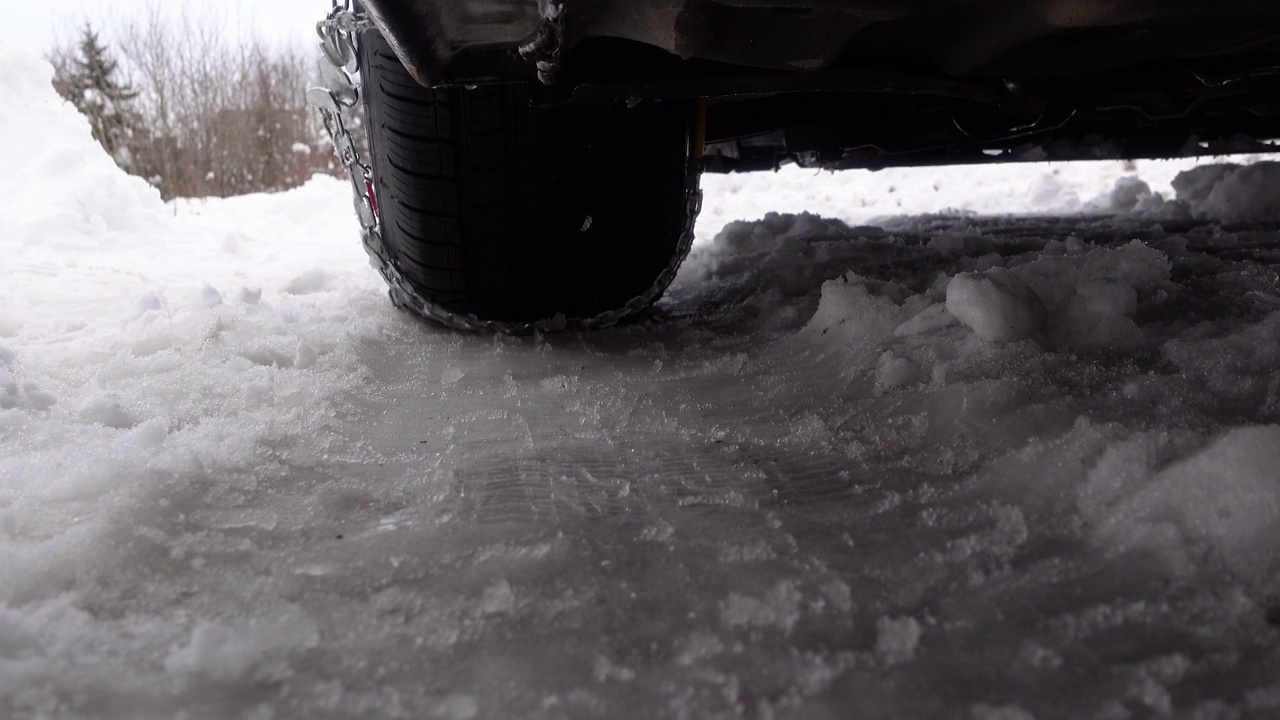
[61, 191]
[865, 197]
[151, 351]
[1231, 192]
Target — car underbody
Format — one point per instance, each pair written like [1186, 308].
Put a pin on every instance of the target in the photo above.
[875, 83]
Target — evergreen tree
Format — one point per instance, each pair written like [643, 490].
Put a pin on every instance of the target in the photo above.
[89, 82]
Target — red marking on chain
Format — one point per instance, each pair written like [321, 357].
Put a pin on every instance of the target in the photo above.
[373, 200]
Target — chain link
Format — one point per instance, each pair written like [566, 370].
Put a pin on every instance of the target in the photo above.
[338, 33]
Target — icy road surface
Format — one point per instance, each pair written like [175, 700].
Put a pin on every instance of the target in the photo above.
[891, 460]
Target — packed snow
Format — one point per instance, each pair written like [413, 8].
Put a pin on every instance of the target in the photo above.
[996, 443]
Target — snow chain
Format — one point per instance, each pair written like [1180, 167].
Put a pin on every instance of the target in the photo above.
[339, 63]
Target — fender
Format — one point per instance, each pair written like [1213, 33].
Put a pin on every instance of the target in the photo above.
[458, 40]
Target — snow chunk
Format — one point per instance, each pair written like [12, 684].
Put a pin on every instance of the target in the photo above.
[456, 707]
[857, 309]
[983, 711]
[934, 317]
[210, 297]
[107, 411]
[1049, 191]
[1264, 698]
[780, 608]
[698, 647]
[1056, 279]
[894, 371]
[18, 634]
[897, 639]
[25, 396]
[1092, 295]
[809, 428]
[229, 654]
[996, 304]
[1108, 296]
[1097, 316]
[1225, 498]
[840, 595]
[1130, 193]
[1231, 192]
[311, 281]
[498, 598]
[305, 356]
[451, 375]
[604, 669]
[148, 302]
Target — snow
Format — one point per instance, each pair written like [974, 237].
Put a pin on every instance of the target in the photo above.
[1229, 191]
[996, 305]
[1224, 498]
[996, 442]
[237, 654]
[897, 640]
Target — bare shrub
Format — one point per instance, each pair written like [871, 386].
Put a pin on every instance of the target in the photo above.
[221, 114]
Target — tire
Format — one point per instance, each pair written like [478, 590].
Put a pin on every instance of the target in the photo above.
[494, 209]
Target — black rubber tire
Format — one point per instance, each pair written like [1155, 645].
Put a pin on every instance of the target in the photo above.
[496, 209]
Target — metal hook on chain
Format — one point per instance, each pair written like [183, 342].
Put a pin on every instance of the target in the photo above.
[335, 45]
